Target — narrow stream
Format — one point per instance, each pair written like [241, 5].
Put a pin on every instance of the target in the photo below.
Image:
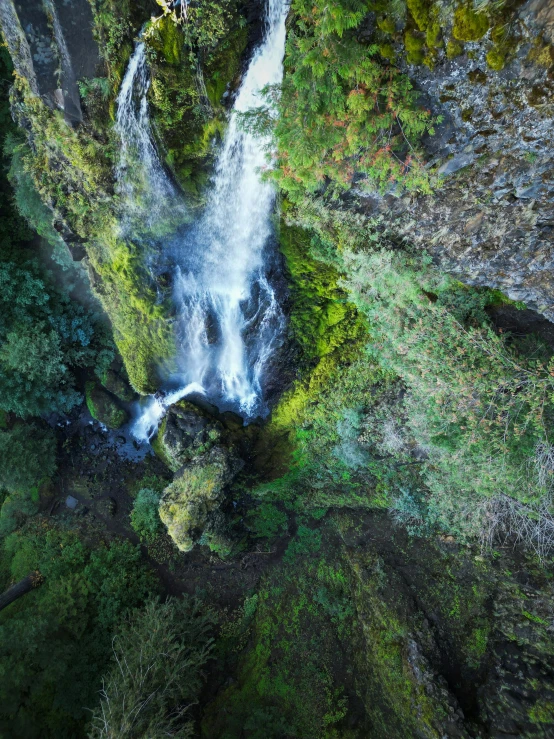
[229, 323]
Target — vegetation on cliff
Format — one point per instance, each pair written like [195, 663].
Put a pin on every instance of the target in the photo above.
[335, 571]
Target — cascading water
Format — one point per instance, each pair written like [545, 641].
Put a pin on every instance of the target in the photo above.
[229, 323]
[147, 191]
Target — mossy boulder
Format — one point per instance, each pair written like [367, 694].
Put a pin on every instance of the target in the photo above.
[195, 493]
[185, 433]
[103, 406]
[116, 384]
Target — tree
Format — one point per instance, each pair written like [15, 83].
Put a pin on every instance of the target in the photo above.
[27, 455]
[55, 643]
[158, 654]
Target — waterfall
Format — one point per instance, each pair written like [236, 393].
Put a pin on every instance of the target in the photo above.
[229, 323]
[148, 194]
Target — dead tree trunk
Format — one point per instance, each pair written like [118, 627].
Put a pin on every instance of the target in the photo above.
[20, 588]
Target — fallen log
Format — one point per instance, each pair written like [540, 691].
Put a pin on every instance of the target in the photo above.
[20, 588]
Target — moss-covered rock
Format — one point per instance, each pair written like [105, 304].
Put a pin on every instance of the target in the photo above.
[118, 386]
[469, 25]
[103, 406]
[196, 491]
[454, 49]
[496, 58]
[185, 433]
[419, 10]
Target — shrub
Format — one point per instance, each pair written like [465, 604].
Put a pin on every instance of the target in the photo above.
[145, 518]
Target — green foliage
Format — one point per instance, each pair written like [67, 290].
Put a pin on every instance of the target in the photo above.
[479, 409]
[266, 521]
[27, 456]
[306, 541]
[145, 518]
[72, 172]
[55, 642]
[341, 112]
[45, 336]
[287, 683]
[192, 63]
[159, 654]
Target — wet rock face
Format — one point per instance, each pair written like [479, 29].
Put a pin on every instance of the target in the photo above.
[490, 220]
[52, 45]
[196, 492]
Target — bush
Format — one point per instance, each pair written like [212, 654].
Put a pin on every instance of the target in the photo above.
[145, 518]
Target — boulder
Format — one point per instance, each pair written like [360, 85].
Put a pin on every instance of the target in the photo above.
[117, 385]
[196, 491]
[103, 406]
[185, 433]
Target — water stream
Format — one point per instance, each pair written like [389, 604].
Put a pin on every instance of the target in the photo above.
[229, 323]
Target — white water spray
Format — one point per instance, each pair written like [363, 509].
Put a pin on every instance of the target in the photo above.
[147, 191]
[229, 321]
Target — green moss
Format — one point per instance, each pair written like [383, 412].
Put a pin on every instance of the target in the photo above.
[429, 61]
[433, 36]
[118, 386]
[187, 122]
[413, 41]
[103, 407]
[415, 57]
[73, 173]
[542, 712]
[159, 447]
[386, 24]
[414, 44]
[496, 58]
[454, 49]
[193, 495]
[387, 51]
[469, 25]
[419, 10]
[266, 521]
[225, 65]
[166, 38]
